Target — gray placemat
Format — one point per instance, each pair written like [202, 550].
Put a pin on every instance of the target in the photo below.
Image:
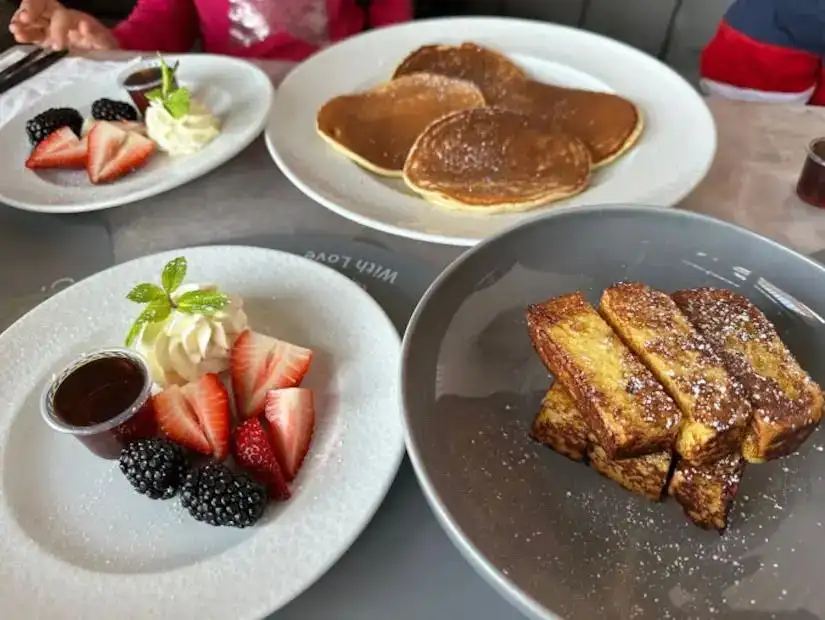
[397, 282]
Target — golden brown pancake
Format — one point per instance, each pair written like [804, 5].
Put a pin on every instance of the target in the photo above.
[490, 160]
[491, 71]
[608, 124]
[377, 128]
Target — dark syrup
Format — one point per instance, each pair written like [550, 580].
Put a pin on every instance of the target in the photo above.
[811, 186]
[141, 82]
[145, 77]
[100, 391]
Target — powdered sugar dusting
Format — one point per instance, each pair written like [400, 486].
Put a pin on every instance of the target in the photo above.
[684, 360]
[781, 391]
[595, 550]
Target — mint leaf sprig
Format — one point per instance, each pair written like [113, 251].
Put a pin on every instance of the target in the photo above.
[175, 99]
[159, 301]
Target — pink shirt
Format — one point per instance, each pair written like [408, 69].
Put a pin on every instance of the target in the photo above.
[174, 26]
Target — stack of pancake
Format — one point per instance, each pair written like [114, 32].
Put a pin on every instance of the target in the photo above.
[467, 129]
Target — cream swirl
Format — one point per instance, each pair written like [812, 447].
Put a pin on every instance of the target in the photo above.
[184, 347]
[181, 136]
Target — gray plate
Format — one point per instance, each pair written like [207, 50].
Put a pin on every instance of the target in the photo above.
[553, 536]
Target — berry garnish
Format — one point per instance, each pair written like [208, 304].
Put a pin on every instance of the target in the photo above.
[154, 467]
[252, 450]
[291, 416]
[46, 123]
[160, 301]
[177, 420]
[260, 363]
[216, 495]
[60, 149]
[209, 400]
[110, 110]
[114, 152]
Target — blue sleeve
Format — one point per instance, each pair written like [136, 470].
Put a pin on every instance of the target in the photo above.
[793, 24]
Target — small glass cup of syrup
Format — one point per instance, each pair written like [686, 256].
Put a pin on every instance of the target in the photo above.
[137, 81]
[104, 399]
[811, 185]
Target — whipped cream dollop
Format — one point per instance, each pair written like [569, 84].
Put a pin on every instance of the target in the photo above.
[181, 136]
[186, 346]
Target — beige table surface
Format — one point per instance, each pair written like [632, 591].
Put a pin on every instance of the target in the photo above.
[753, 178]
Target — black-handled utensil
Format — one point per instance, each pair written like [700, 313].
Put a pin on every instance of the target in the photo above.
[19, 64]
[28, 66]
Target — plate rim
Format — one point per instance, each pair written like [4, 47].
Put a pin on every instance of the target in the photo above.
[676, 195]
[457, 535]
[155, 189]
[264, 605]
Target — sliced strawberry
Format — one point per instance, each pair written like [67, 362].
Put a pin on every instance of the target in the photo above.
[210, 403]
[261, 363]
[252, 450]
[178, 421]
[133, 126]
[291, 416]
[88, 125]
[61, 149]
[247, 367]
[133, 154]
[105, 141]
[115, 152]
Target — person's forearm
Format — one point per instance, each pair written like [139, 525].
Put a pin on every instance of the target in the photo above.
[159, 25]
[386, 12]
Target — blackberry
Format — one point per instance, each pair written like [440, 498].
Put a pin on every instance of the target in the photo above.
[218, 496]
[154, 467]
[41, 126]
[109, 110]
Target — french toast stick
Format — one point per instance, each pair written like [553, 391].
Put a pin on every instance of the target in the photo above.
[627, 410]
[561, 426]
[787, 404]
[646, 475]
[706, 492]
[715, 410]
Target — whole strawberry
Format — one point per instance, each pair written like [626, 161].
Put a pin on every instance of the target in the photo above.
[252, 451]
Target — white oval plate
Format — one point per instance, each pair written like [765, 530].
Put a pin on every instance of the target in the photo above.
[237, 92]
[672, 157]
[77, 542]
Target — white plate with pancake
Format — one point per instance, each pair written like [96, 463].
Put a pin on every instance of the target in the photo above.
[665, 164]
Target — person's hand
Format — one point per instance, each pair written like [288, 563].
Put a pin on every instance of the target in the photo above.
[30, 22]
[47, 23]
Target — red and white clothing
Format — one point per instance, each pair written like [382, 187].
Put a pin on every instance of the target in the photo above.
[768, 51]
[300, 27]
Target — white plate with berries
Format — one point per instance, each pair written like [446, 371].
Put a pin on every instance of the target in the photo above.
[179, 450]
[126, 136]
